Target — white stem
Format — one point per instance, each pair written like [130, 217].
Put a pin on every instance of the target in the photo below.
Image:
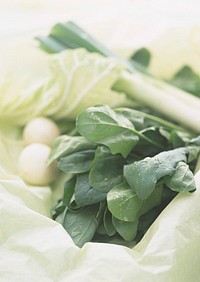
[175, 104]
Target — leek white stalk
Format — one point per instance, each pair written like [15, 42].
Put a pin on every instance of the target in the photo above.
[174, 103]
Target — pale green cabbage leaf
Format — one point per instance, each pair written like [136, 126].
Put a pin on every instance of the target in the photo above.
[77, 79]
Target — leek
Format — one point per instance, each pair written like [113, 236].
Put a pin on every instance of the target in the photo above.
[173, 103]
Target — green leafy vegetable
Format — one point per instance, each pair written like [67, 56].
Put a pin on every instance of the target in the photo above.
[77, 162]
[85, 194]
[82, 224]
[187, 80]
[127, 230]
[106, 173]
[119, 192]
[108, 223]
[182, 180]
[123, 202]
[65, 201]
[102, 124]
[143, 175]
[127, 164]
[66, 145]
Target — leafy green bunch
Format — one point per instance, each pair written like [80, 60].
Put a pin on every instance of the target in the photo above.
[125, 166]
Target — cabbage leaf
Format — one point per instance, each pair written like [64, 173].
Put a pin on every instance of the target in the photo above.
[76, 80]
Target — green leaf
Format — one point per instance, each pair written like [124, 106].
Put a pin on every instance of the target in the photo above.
[57, 209]
[81, 225]
[65, 201]
[143, 175]
[70, 35]
[182, 180]
[108, 224]
[144, 149]
[84, 193]
[102, 152]
[134, 116]
[103, 126]
[65, 145]
[127, 230]
[193, 152]
[153, 200]
[146, 220]
[194, 149]
[77, 162]
[179, 139]
[59, 217]
[142, 56]
[106, 173]
[50, 44]
[68, 190]
[142, 119]
[187, 80]
[123, 202]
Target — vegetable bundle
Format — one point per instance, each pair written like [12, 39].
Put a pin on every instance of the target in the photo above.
[133, 80]
[125, 167]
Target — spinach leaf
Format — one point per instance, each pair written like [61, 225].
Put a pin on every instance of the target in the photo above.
[84, 193]
[81, 225]
[106, 173]
[57, 209]
[153, 200]
[144, 149]
[127, 230]
[179, 139]
[187, 80]
[101, 152]
[102, 125]
[65, 201]
[134, 116]
[146, 220]
[182, 180]
[108, 224]
[68, 191]
[193, 152]
[123, 202]
[77, 162]
[127, 167]
[66, 145]
[143, 175]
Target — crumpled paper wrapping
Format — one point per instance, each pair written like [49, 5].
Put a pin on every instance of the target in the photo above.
[35, 248]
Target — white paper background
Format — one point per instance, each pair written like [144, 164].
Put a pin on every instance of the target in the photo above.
[122, 25]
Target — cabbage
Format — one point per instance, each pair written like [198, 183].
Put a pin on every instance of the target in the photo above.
[58, 95]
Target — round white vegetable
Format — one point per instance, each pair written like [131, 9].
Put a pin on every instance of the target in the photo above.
[40, 130]
[32, 165]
